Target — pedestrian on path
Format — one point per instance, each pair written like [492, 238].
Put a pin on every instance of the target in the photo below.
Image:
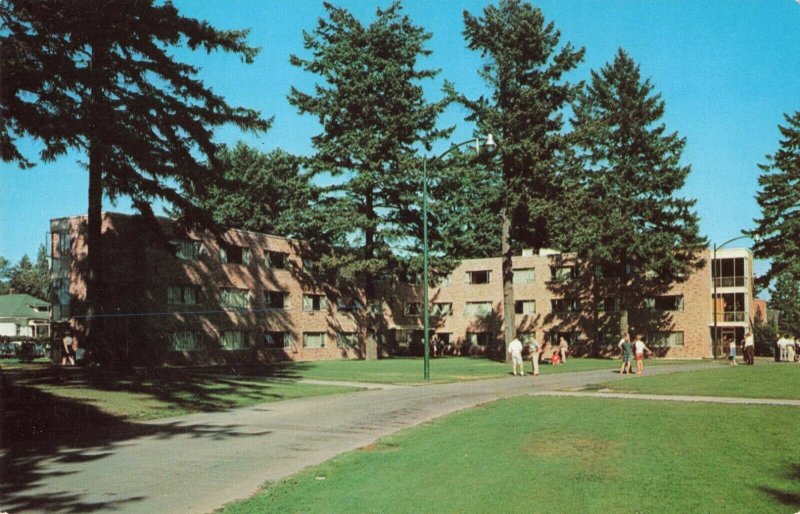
[515, 350]
[749, 349]
[732, 351]
[640, 349]
[627, 354]
[536, 351]
[563, 348]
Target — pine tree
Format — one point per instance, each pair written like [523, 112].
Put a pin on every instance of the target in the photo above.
[5, 274]
[524, 69]
[100, 77]
[29, 278]
[627, 220]
[266, 193]
[373, 115]
[777, 235]
[785, 298]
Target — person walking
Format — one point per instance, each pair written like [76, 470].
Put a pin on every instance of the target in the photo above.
[563, 348]
[749, 349]
[627, 354]
[67, 343]
[515, 349]
[640, 348]
[732, 351]
[536, 351]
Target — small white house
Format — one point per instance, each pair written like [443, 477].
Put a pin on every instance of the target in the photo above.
[24, 315]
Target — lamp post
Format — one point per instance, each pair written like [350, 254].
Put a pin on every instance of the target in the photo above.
[426, 314]
[714, 279]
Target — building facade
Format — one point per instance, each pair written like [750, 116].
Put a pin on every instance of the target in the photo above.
[186, 296]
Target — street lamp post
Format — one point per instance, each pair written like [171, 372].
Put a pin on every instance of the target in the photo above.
[715, 279]
[426, 311]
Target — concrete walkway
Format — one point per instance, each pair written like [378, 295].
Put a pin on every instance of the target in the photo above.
[200, 462]
[674, 398]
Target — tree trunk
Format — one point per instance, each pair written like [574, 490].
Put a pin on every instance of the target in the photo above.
[94, 259]
[371, 342]
[509, 325]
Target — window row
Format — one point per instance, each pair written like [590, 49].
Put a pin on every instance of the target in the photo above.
[241, 299]
[190, 341]
[189, 250]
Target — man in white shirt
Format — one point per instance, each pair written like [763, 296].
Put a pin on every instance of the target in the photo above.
[515, 349]
[749, 349]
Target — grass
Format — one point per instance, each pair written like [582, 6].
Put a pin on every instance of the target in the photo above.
[443, 370]
[759, 381]
[562, 455]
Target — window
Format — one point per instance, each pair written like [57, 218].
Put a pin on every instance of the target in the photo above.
[188, 249]
[480, 338]
[442, 309]
[184, 295]
[412, 308]
[351, 306]
[478, 309]
[666, 339]
[314, 302]
[184, 341]
[729, 272]
[278, 339]
[665, 303]
[234, 254]
[406, 338]
[346, 340]
[731, 307]
[479, 277]
[276, 260]
[524, 306]
[565, 305]
[524, 276]
[609, 304]
[234, 298]
[612, 270]
[313, 340]
[234, 340]
[276, 299]
[560, 273]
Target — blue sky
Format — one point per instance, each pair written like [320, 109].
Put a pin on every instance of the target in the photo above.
[726, 70]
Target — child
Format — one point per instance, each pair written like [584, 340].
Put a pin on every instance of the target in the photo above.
[555, 360]
[640, 348]
[732, 351]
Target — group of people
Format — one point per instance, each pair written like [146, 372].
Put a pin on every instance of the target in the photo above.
[69, 348]
[515, 348]
[629, 349]
[786, 348]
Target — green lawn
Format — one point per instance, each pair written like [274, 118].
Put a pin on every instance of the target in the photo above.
[445, 369]
[759, 381]
[563, 455]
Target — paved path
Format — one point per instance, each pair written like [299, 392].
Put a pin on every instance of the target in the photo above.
[674, 398]
[198, 463]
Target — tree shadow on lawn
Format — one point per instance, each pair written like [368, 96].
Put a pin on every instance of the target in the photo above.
[787, 498]
[38, 429]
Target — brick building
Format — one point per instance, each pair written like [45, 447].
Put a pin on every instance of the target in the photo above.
[186, 296]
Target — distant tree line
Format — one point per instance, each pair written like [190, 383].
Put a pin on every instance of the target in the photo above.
[26, 277]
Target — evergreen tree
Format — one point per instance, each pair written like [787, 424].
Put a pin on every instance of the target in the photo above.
[777, 236]
[785, 297]
[5, 274]
[29, 278]
[524, 69]
[627, 220]
[261, 192]
[374, 116]
[101, 77]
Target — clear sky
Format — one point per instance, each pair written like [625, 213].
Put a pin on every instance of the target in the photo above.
[727, 71]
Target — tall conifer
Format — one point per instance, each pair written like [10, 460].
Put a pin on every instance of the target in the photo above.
[101, 77]
[524, 69]
[374, 117]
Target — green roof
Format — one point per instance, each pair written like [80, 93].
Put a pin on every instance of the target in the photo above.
[22, 306]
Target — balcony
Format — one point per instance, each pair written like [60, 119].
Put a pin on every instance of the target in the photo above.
[731, 316]
[730, 281]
